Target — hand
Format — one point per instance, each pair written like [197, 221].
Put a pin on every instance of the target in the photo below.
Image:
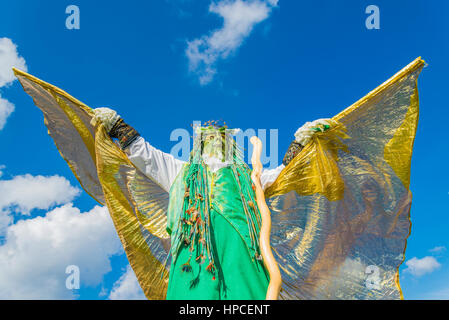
[304, 134]
[106, 116]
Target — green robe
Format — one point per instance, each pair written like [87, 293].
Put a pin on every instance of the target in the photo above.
[239, 275]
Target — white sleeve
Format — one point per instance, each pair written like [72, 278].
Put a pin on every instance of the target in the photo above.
[161, 166]
[268, 176]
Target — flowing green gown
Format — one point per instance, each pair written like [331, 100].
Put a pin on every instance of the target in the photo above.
[239, 275]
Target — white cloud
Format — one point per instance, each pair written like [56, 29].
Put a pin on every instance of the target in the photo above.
[6, 108]
[2, 167]
[438, 249]
[9, 58]
[239, 19]
[25, 193]
[5, 221]
[34, 257]
[419, 267]
[127, 287]
[36, 252]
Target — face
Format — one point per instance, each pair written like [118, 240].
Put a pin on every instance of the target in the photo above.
[213, 144]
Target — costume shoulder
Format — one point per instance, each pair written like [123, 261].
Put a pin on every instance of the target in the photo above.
[341, 207]
[136, 203]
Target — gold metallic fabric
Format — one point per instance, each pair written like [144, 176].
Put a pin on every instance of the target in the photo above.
[341, 207]
[136, 203]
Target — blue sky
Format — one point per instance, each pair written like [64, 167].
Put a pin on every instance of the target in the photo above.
[292, 62]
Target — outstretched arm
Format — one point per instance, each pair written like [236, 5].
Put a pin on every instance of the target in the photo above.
[161, 167]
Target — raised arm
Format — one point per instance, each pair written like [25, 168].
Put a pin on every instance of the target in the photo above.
[161, 167]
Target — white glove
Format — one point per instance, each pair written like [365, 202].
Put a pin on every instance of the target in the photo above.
[304, 134]
[106, 116]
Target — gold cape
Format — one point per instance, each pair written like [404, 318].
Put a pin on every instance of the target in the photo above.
[340, 209]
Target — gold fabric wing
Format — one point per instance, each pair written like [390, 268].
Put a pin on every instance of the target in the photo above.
[341, 208]
[136, 203]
